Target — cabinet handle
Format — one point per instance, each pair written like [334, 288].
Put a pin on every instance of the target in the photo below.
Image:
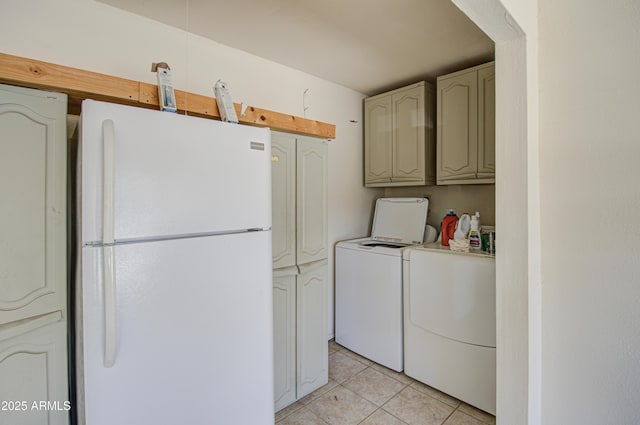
[108, 248]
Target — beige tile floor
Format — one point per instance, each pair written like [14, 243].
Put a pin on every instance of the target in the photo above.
[362, 392]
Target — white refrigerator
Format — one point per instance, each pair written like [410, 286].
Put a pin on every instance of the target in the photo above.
[174, 298]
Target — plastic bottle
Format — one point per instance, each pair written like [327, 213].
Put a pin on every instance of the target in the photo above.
[474, 233]
[448, 227]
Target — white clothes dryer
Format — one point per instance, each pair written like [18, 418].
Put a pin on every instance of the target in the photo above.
[450, 322]
[369, 281]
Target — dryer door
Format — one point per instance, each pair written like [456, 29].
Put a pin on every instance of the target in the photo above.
[452, 295]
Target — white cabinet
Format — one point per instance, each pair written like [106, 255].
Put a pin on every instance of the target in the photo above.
[312, 365]
[311, 200]
[33, 372]
[299, 177]
[33, 255]
[300, 331]
[300, 247]
[399, 137]
[284, 336]
[283, 199]
[33, 156]
[466, 126]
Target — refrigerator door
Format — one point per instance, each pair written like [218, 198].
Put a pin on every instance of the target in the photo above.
[193, 333]
[172, 174]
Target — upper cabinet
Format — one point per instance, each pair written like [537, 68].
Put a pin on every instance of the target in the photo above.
[33, 180]
[299, 175]
[399, 140]
[466, 126]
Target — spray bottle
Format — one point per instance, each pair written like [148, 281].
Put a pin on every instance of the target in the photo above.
[474, 233]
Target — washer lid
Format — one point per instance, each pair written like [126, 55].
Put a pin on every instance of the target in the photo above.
[400, 220]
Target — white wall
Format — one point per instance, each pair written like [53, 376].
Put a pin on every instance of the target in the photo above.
[90, 35]
[582, 90]
[461, 197]
[590, 208]
[517, 207]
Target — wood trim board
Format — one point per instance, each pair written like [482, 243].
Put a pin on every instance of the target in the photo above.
[79, 84]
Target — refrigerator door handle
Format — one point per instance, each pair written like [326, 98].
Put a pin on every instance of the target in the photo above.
[108, 250]
[108, 181]
[110, 334]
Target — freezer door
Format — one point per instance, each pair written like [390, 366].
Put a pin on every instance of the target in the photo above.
[194, 333]
[172, 174]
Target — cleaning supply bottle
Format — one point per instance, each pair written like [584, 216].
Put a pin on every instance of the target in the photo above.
[474, 233]
[448, 227]
[462, 227]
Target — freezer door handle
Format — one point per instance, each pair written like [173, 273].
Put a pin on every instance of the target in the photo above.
[108, 250]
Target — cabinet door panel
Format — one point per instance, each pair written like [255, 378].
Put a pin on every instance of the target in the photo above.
[283, 181]
[408, 135]
[311, 199]
[34, 364]
[486, 122]
[33, 215]
[457, 127]
[312, 352]
[284, 333]
[377, 133]
[430, 133]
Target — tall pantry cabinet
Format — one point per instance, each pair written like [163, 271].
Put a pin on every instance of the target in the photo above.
[33, 257]
[300, 248]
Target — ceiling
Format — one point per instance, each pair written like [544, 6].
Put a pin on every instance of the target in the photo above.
[370, 46]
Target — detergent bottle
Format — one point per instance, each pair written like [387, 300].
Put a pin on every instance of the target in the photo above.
[448, 227]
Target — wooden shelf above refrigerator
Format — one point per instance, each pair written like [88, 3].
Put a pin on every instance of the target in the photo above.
[79, 84]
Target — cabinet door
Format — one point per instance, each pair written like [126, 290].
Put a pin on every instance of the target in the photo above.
[311, 199]
[408, 135]
[283, 196]
[284, 337]
[33, 155]
[430, 133]
[487, 122]
[312, 348]
[377, 140]
[457, 133]
[33, 369]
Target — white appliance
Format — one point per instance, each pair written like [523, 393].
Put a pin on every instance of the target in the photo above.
[450, 322]
[174, 299]
[369, 281]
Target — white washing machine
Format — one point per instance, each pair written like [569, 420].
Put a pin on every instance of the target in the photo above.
[450, 322]
[369, 281]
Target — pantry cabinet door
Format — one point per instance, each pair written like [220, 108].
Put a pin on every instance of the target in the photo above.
[284, 337]
[312, 344]
[33, 154]
[33, 372]
[487, 122]
[408, 135]
[311, 199]
[457, 135]
[283, 206]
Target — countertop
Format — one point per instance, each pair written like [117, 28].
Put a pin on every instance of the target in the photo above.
[437, 247]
